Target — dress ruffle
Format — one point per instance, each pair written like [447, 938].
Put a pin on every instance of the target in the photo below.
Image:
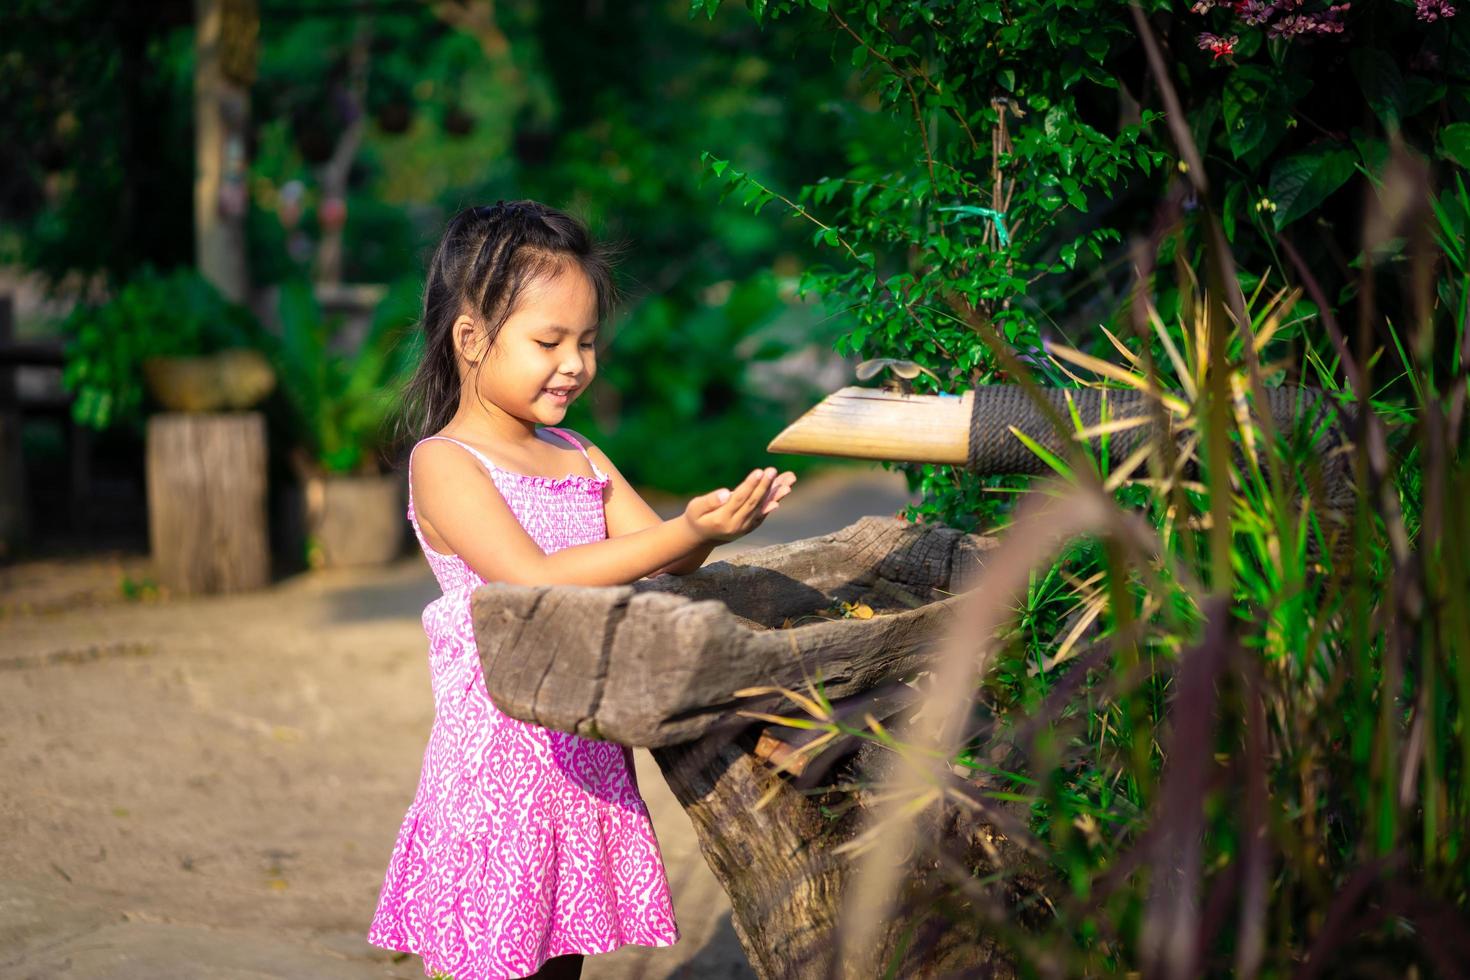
[453, 903]
[559, 482]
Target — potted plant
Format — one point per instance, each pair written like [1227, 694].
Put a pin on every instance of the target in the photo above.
[178, 339]
[341, 391]
[173, 337]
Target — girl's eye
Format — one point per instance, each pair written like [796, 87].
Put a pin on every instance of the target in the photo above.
[547, 346]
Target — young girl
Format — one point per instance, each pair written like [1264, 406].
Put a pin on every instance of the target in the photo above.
[526, 848]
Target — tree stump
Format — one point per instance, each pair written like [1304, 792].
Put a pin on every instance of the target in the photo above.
[206, 501]
[657, 664]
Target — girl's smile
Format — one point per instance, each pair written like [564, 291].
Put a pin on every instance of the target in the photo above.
[544, 355]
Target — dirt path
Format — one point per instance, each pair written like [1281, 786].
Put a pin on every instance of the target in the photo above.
[210, 788]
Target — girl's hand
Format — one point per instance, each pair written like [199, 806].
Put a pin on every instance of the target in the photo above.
[724, 515]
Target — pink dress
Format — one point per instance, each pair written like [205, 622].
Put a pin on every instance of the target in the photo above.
[521, 843]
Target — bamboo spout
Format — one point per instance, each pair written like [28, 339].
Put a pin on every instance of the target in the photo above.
[871, 423]
[981, 430]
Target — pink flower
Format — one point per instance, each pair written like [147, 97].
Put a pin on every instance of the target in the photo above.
[1255, 12]
[1217, 44]
[1327, 21]
[1432, 10]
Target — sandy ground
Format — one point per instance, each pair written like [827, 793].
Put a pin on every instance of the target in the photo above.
[210, 788]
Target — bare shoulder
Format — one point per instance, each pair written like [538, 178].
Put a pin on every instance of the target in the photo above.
[438, 454]
[434, 460]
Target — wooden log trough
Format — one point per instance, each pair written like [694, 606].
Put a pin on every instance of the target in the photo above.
[655, 664]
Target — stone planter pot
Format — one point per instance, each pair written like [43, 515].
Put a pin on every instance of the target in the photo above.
[230, 380]
[353, 520]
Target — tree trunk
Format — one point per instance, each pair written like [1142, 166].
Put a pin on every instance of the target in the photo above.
[225, 34]
[779, 864]
[206, 501]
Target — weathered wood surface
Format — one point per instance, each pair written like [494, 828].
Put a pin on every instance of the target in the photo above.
[206, 501]
[787, 883]
[873, 423]
[656, 663]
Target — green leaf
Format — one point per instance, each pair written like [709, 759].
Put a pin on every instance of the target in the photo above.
[1057, 125]
[1454, 143]
[1302, 182]
[1378, 76]
[1245, 109]
[1374, 152]
[1048, 457]
[1201, 125]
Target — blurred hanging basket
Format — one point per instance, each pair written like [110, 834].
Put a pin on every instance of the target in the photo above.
[394, 117]
[458, 122]
[231, 380]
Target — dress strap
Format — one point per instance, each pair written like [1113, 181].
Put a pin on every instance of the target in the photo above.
[563, 433]
[472, 451]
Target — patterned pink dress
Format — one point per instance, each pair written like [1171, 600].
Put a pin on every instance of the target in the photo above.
[521, 843]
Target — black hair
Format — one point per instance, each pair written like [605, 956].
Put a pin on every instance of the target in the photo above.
[483, 264]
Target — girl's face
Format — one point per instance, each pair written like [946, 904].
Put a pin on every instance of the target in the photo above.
[546, 347]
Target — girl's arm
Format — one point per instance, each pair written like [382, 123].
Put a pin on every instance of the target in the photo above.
[461, 511]
[628, 513]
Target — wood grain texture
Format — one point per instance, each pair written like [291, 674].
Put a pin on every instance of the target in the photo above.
[206, 501]
[779, 864]
[870, 423]
[657, 663]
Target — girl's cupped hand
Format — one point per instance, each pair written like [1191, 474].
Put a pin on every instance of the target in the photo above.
[724, 514]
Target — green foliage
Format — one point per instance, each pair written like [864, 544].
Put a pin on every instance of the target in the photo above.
[1364, 721]
[608, 122]
[963, 204]
[1287, 124]
[342, 400]
[95, 101]
[179, 314]
[1234, 709]
[693, 379]
[1025, 118]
